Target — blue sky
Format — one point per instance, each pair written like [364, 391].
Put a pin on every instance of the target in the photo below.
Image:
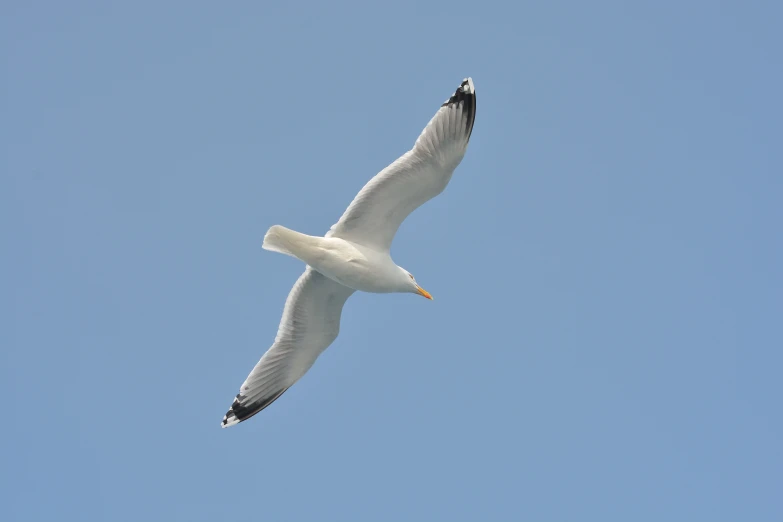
[605, 339]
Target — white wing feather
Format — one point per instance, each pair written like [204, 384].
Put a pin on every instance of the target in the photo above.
[375, 214]
[310, 323]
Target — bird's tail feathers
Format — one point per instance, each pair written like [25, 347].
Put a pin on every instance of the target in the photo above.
[285, 241]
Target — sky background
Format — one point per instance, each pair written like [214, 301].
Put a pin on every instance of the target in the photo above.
[606, 338]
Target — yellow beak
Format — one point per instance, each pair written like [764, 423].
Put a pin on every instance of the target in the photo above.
[424, 293]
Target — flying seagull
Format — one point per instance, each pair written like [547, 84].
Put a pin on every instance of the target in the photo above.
[354, 254]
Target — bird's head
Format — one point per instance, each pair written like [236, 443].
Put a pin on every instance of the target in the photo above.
[412, 286]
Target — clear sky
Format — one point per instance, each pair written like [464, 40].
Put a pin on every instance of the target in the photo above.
[606, 338]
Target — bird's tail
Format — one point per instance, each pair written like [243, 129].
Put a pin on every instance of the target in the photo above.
[286, 241]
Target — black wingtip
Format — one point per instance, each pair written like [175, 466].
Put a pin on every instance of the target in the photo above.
[465, 96]
[239, 412]
[463, 92]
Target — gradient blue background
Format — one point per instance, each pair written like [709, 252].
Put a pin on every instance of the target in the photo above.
[605, 340]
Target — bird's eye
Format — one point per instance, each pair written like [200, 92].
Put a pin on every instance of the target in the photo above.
[410, 275]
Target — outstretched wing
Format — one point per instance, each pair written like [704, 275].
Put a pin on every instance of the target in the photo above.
[310, 323]
[375, 214]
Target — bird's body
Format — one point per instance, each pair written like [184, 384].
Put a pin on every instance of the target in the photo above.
[351, 264]
[354, 254]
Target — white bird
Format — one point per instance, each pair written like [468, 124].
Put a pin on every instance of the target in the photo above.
[354, 254]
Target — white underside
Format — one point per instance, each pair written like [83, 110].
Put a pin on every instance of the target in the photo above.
[350, 264]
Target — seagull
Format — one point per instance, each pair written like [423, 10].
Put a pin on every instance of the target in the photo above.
[354, 254]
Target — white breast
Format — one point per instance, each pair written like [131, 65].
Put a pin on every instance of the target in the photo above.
[356, 266]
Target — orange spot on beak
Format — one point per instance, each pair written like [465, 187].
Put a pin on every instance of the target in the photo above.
[424, 293]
